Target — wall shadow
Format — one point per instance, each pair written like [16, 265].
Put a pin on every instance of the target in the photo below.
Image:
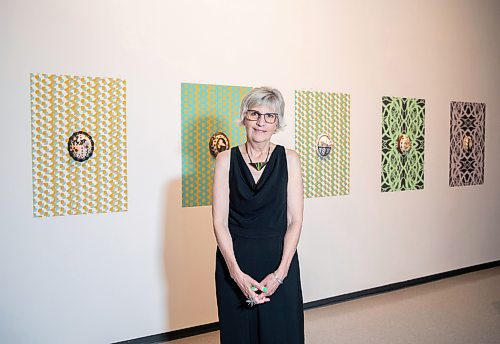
[189, 261]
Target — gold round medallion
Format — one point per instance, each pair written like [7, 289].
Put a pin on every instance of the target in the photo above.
[404, 144]
[219, 142]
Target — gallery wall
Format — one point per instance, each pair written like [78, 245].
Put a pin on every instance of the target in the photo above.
[116, 276]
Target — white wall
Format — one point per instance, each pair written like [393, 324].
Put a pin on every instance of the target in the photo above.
[111, 277]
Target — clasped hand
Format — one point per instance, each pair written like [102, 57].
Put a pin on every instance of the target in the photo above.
[262, 290]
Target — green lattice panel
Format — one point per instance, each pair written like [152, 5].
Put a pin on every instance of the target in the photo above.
[402, 116]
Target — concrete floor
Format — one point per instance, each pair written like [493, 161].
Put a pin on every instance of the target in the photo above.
[459, 310]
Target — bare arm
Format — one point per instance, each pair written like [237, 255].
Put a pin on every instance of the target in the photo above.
[220, 211]
[295, 209]
[220, 215]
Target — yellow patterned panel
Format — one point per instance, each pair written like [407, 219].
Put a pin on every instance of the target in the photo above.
[60, 106]
[318, 113]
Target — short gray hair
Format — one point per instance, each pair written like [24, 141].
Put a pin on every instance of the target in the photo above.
[264, 96]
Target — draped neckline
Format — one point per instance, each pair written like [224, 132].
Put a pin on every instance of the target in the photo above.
[248, 173]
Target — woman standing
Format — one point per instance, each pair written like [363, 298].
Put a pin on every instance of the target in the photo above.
[257, 217]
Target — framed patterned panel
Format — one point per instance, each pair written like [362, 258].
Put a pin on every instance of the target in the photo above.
[322, 140]
[208, 111]
[467, 128]
[79, 151]
[402, 144]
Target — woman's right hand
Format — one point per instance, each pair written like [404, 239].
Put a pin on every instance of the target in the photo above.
[245, 283]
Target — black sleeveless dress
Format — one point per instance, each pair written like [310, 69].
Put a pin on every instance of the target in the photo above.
[257, 223]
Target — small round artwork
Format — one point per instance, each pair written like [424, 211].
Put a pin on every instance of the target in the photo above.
[467, 143]
[219, 142]
[80, 146]
[404, 144]
[324, 145]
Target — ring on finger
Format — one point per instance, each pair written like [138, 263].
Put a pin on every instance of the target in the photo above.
[251, 301]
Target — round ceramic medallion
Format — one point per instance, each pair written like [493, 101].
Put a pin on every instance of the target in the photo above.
[324, 145]
[467, 143]
[219, 142]
[80, 146]
[404, 144]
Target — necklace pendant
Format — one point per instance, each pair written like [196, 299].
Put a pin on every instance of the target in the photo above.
[258, 165]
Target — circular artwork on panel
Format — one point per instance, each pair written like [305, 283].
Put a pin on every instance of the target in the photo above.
[219, 142]
[324, 145]
[404, 144]
[467, 143]
[80, 146]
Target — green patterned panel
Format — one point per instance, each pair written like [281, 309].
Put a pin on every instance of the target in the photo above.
[206, 109]
[402, 172]
[318, 113]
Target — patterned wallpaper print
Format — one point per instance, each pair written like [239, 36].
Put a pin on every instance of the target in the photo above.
[61, 106]
[467, 127]
[206, 110]
[402, 144]
[318, 113]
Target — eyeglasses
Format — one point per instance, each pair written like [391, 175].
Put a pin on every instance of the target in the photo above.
[254, 115]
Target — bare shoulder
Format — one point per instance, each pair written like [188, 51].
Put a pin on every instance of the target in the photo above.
[222, 162]
[293, 161]
[223, 157]
[292, 156]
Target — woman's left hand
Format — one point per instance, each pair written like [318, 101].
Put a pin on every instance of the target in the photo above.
[271, 283]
